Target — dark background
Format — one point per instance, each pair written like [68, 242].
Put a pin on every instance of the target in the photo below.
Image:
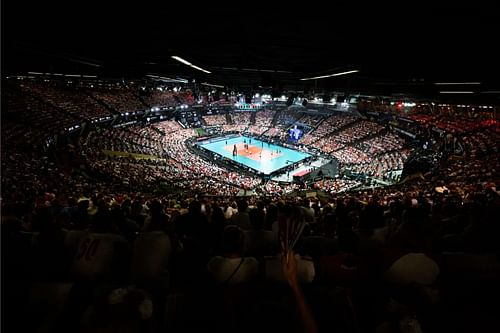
[398, 49]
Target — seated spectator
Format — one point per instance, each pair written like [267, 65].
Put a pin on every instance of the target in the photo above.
[101, 255]
[259, 242]
[232, 267]
[241, 218]
[152, 251]
[413, 268]
[158, 220]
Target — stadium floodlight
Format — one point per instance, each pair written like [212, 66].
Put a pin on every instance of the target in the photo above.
[456, 92]
[185, 62]
[456, 83]
[329, 75]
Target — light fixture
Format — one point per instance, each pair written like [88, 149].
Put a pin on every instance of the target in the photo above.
[456, 83]
[200, 69]
[456, 92]
[211, 85]
[181, 60]
[329, 75]
[167, 79]
[185, 62]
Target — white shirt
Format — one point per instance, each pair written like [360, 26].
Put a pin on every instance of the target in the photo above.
[229, 212]
[96, 253]
[151, 254]
[222, 268]
[413, 268]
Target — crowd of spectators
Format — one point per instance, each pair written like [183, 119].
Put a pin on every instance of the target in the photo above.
[338, 131]
[73, 100]
[311, 120]
[134, 139]
[14, 133]
[264, 118]
[481, 143]
[337, 185]
[215, 120]
[274, 132]
[452, 125]
[160, 98]
[240, 118]
[331, 124]
[120, 99]
[287, 117]
[381, 165]
[382, 143]
[379, 257]
[23, 108]
[358, 131]
[235, 128]
[328, 145]
[185, 97]
[351, 155]
[255, 130]
[87, 253]
[331, 137]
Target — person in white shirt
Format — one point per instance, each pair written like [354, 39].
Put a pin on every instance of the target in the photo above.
[413, 268]
[231, 267]
[241, 218]
[230, 210]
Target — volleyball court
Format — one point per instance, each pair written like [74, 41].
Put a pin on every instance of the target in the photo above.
[254, 152]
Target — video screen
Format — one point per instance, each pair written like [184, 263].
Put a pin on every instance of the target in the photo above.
[295, 133]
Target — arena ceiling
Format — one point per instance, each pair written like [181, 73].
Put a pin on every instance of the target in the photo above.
[398, 51]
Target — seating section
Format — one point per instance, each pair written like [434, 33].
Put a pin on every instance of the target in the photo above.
[215, 120]
[75, 101]
[120, 99]
[130, 227]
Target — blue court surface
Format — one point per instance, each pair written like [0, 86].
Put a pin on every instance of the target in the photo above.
[260, 156]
